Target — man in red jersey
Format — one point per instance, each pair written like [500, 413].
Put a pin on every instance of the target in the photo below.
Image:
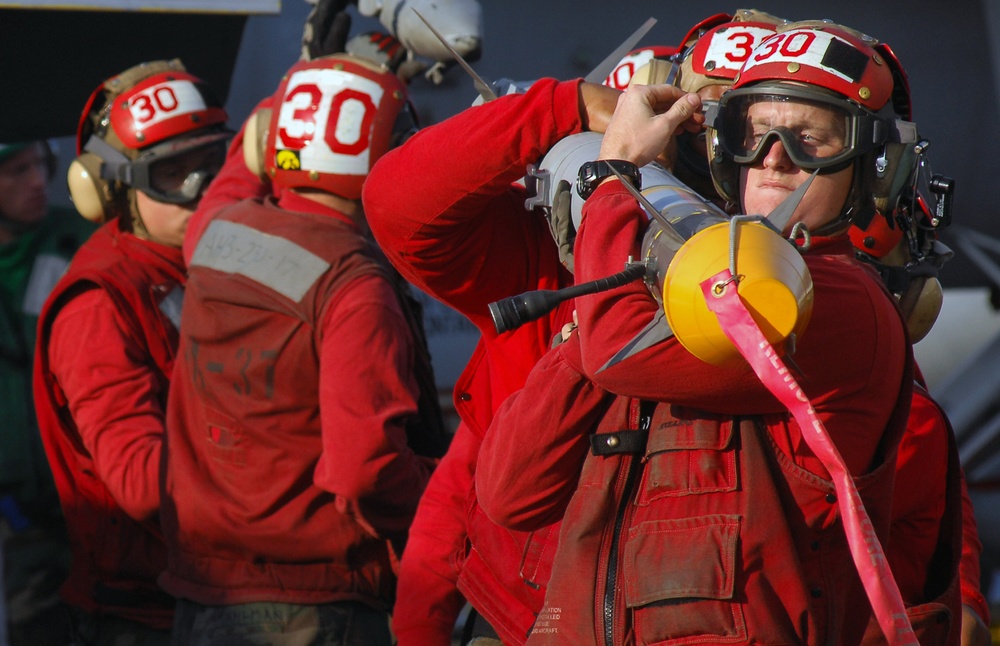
[150, 141]
[298, 404]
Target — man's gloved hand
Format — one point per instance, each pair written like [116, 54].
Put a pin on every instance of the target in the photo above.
[326, 29]
[561, 223]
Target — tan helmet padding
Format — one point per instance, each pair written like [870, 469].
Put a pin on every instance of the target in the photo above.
[756, 15]
[655, 72]
[255, 141]
[691, 81]
[90, 194]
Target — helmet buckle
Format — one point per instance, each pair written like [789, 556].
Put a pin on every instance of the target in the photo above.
[881, 164]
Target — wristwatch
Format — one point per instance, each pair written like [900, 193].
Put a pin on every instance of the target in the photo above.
[593, 173]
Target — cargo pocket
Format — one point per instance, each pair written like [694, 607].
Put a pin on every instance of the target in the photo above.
[689, 459]
[680, 576]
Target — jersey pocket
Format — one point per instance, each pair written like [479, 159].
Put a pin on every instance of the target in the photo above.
[689, 459]
[680, 576]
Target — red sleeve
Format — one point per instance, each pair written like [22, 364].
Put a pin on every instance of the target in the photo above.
[918, 497]
[234, 183]
[427, 598]
[851, 356]
[114, 398]
[918, 504]
[532, 454]
[445, 210]
[611, 231]
[367, 392]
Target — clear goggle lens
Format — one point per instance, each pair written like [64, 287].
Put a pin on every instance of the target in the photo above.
[181, 177]
[815, 134]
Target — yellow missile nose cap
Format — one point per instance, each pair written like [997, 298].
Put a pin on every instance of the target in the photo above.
[774, 284]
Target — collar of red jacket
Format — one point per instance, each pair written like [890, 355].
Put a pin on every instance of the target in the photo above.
[292, 201]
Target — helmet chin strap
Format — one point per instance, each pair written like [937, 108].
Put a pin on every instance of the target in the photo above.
[782, 214]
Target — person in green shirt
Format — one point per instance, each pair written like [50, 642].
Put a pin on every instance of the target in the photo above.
[37, 241]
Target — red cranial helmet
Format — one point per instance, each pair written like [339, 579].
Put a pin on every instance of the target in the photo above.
[332, 118]
[715, 49]
[823, 55]
[138, 130]
[823, 65]
[148, 104]
[710, 55]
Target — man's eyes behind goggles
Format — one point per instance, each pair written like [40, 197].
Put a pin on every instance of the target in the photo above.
[814, 135]
[181, 178]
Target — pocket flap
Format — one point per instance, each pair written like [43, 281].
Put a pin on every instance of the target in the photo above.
[683, 558]
[669, 434]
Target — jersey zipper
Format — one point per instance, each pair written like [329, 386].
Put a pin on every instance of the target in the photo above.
[625, 499]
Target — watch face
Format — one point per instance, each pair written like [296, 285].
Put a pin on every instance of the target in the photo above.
[593, 173]
[586, 179]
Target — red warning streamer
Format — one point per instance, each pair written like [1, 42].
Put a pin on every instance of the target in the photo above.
[883, 593]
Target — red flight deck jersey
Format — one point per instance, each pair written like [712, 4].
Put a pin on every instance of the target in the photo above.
[106, 348]
[451, 219]
[287, 465]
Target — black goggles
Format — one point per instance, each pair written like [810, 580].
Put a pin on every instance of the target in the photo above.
[817, 130]
[179, 177]
[174, 172]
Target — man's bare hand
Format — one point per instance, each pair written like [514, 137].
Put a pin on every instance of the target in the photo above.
[646, 119]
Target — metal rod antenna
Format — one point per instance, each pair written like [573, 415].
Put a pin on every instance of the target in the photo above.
[668, 228]
[607, 66]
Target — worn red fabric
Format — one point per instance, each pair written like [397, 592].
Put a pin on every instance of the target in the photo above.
[856, 294]
[106, 349]
[820, 369]
[453, 222]
[705, 531]
[287, 466]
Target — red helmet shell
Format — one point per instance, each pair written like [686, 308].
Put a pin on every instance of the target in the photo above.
[824, 56]
[627, 66]
[703, 26]
[722, 50]
[901, 98]
[333, 118]
[163, 106]
[878, 238]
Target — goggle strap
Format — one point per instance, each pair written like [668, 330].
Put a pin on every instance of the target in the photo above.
[904, 132]
[712, 113]
[116, 167]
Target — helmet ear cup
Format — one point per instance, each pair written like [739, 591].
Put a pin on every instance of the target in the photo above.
[655, 72]
[255, 141]
[921, 305]
[92, 196]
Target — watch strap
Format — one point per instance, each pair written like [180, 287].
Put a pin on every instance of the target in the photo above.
[593, 173]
